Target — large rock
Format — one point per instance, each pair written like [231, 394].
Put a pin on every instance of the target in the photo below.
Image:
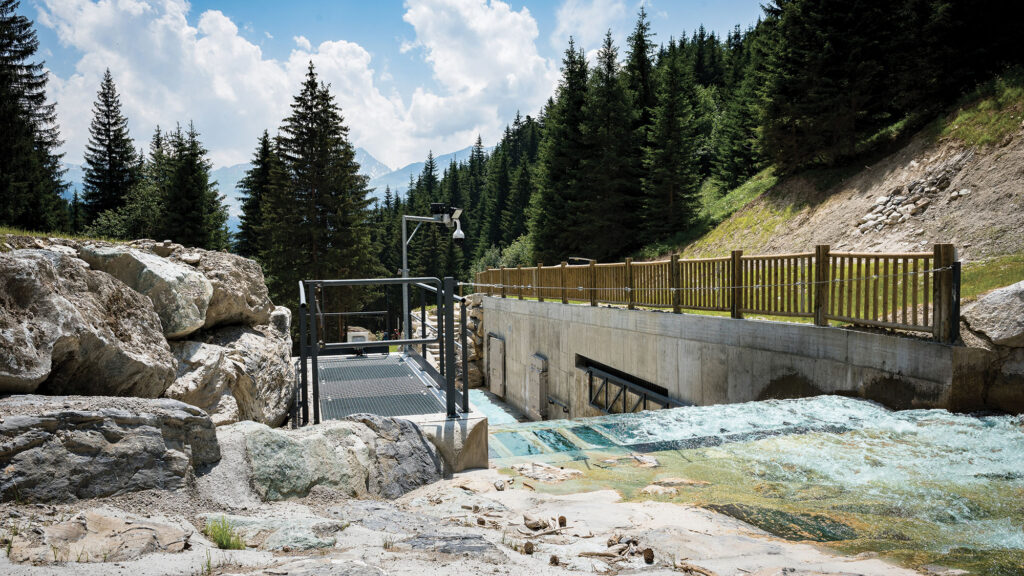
[100, 535]
[55, 448]
[999, 315]
[239, 289]
[236, 373]
[78, 330]
[371, 457]
[180, 294]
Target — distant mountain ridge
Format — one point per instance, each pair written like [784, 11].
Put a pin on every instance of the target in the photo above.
[228, 177]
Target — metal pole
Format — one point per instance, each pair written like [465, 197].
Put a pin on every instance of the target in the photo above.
[465, 358]
[314, 345]
[304, 378]
[449, 354]
[954, 327]
[423, 321]
[406, 319]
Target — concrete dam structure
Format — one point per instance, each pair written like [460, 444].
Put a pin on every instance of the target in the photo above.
[554, 360]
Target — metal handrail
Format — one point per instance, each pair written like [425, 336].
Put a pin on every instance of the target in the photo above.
[310, 315]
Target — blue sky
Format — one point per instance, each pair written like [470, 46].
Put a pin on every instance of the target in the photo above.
[410, 76]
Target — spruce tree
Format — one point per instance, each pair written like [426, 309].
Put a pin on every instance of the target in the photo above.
[253, 186]
[613, 195]
[324, 219]
[195, 214]
[554, 212]
[30, 172]
[111, 163]
[671, 182]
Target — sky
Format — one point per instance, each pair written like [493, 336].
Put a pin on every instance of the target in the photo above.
[409, 76]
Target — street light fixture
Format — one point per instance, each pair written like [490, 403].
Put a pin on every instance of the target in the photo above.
[441, 213]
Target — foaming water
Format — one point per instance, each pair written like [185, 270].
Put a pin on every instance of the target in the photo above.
[917, 485]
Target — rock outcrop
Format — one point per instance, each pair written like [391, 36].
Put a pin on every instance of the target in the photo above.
[100, 535]
[180, 294]
[77, 330]
[999, 315]
[143, 319]
[239, 289]
[368, 457]
[236, 373]
[55, 448]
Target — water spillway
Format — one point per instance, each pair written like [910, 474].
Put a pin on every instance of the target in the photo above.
[918, 486]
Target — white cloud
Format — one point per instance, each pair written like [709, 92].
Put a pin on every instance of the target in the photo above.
[168, 69]
[303, 43]
[587, 21]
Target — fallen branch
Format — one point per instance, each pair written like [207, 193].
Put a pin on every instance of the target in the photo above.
[692, 569]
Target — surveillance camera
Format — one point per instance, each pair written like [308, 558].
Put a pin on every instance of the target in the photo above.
[458, 236]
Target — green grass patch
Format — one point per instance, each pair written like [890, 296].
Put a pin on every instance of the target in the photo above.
[982, 276]
[995, 111]
[20, 232]
[714, 208]
[223, 534]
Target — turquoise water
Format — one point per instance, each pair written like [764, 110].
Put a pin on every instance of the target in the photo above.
[485, 403]
[919, 485]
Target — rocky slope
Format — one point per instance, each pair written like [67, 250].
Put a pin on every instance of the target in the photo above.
[144, 319]
[930, 191]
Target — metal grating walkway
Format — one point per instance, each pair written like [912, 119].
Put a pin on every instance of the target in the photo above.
[385, 385]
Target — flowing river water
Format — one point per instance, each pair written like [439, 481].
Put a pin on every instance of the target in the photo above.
[918, 486]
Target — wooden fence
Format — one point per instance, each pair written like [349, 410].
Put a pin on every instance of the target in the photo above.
[915, 291]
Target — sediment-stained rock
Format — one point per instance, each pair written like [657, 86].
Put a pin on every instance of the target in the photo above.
[78, 330]
[63, 448]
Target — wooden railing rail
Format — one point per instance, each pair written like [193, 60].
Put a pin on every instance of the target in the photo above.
[912, 291]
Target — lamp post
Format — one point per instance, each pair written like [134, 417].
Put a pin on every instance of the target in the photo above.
[441, 213]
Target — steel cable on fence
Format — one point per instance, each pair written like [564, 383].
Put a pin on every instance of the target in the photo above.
[713, 288]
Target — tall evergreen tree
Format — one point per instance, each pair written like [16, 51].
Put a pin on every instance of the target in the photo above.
[609, 209]
[111, 163]
[195, 214]
[253, 186]
[554, 212]
[30, 172]
[325, 219]
[671, 182]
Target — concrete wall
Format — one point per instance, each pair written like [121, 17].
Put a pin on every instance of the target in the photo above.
[707, 360]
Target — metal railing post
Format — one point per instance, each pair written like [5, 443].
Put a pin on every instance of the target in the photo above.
[304, 377]
[465, 357]
[449, 353]
[314, 345]
[423, 321]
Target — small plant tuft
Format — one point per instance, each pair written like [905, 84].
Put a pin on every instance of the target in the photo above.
[224, 535]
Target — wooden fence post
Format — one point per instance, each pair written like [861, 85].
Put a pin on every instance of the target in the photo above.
[736, 293]
[565, 291]
[822, 272]
[942, 313]
[673, 282]
[536, 283]
[519, 280]
[501, 280]
[593, 283]
[630, 299]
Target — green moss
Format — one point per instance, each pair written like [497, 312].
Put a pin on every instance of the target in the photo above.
[19, 232]
[995, 110]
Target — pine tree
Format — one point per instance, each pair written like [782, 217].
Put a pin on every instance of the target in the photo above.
[194, 211]
[671, 183]
[639, 71]
[319, 228]
[608, 212]
[513, 222]
[111, 163]
[554, 212]
[30, 172]
[253, 186]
